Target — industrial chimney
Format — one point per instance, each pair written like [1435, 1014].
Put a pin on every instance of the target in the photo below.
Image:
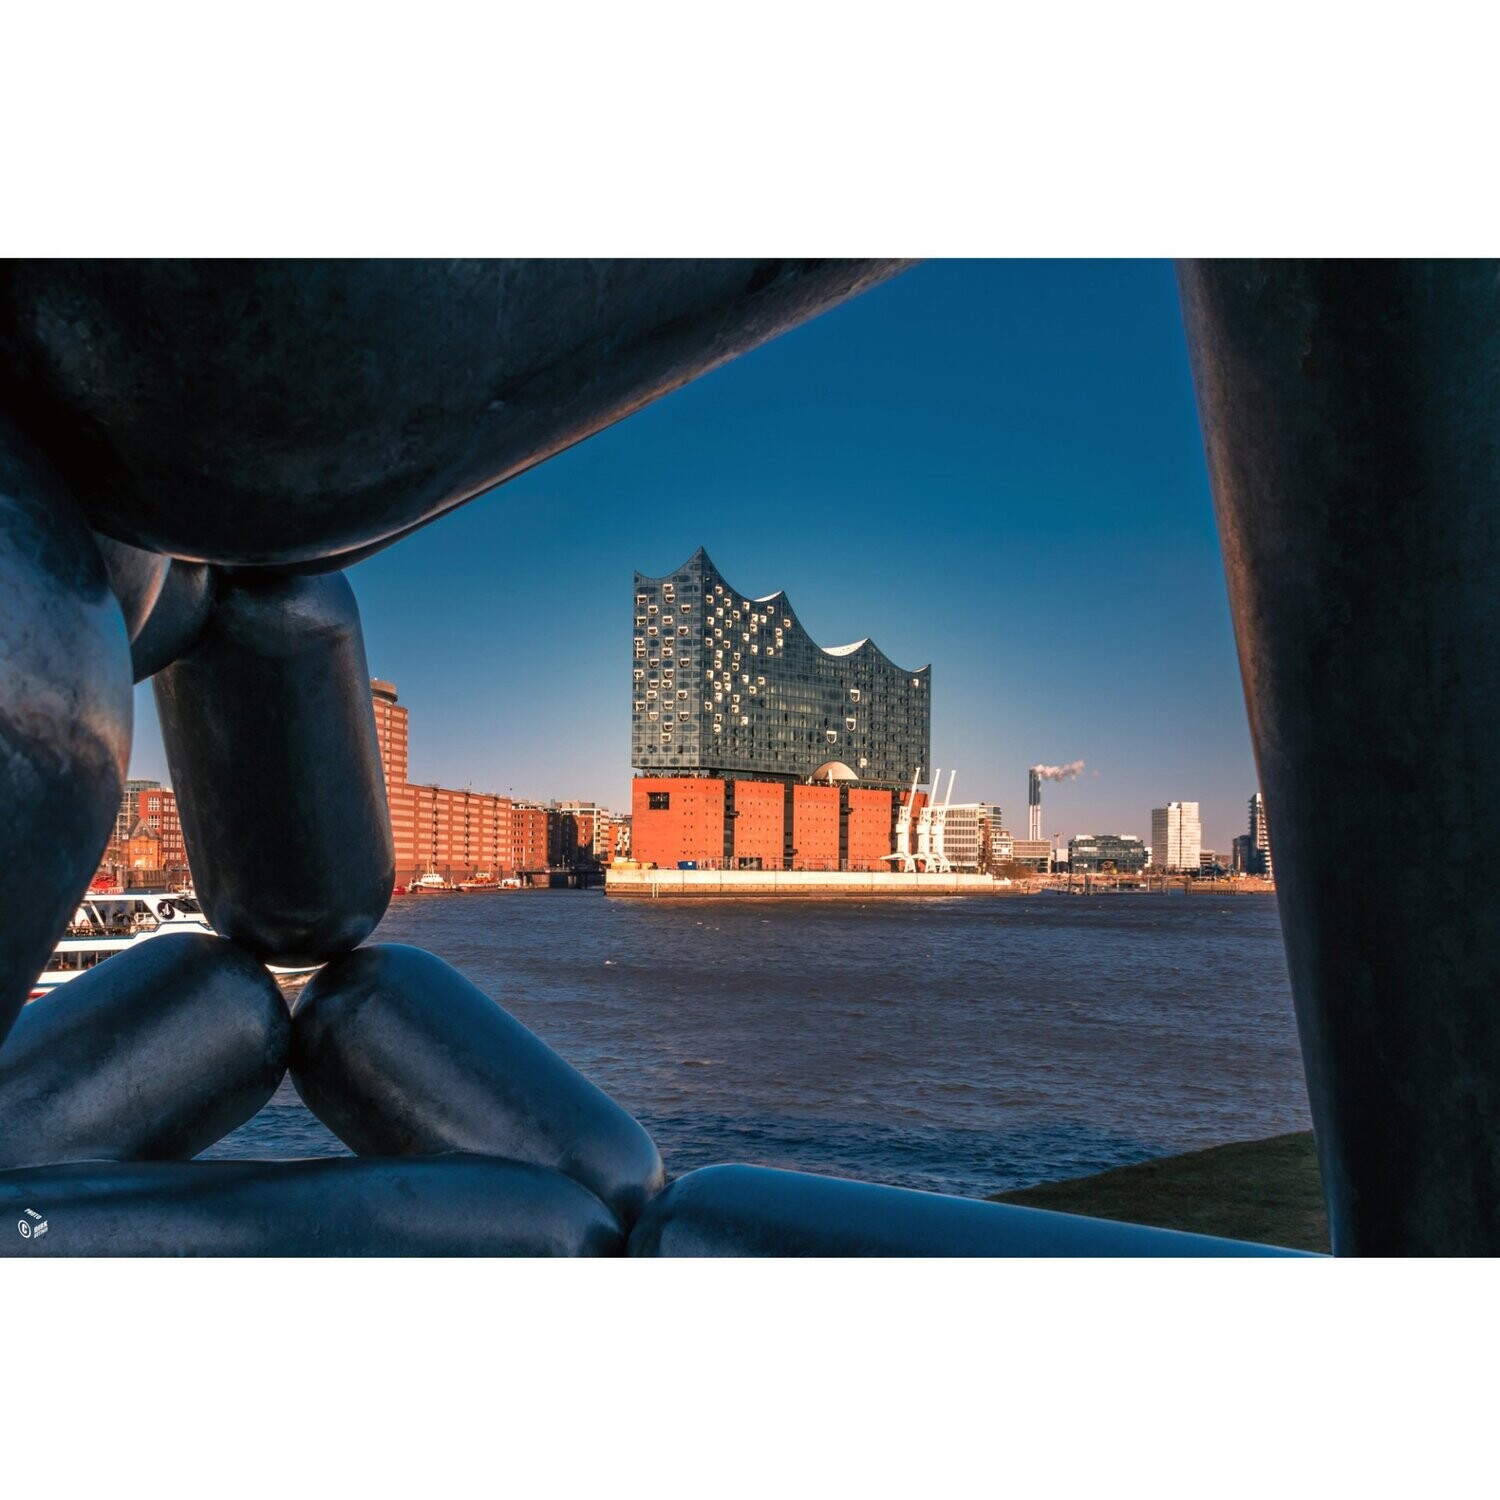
[1034, 805]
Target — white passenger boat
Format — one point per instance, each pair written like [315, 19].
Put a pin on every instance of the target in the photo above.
[107, 923]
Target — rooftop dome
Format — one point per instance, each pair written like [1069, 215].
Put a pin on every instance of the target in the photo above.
[834, 770]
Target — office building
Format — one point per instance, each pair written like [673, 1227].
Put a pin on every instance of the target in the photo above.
[1106, 853]
[962, 832]
[1002, 846]
[1176, 837]
[996, 847]
[619, 836]
[580, 836]
[1036, 854]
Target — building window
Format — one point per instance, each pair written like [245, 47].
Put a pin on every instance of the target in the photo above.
[658, 801]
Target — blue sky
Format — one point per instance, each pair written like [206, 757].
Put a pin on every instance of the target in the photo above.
[992, 466]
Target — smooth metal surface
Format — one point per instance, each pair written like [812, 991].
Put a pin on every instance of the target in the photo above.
[177, 619]
[154, 1056]
[759, 1211]
[398, 1054]
[1349, 414]
[441, 1205]
[301, 414]
[65, 712]
[268, 727]
[136, 578]
[277, 412]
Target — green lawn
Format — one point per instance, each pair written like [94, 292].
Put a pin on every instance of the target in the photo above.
[1267, 1191]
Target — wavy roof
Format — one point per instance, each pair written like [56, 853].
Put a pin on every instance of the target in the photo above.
[855, 648]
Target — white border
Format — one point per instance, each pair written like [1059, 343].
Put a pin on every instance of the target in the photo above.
[805, 129]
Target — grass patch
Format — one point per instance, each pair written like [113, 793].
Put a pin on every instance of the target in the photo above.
[1265, 1191]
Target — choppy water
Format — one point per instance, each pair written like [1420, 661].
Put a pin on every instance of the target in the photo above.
[966, 1046]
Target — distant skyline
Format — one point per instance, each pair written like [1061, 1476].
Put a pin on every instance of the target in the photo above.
[994, 467]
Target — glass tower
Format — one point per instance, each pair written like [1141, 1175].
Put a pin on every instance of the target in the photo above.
[727, 685]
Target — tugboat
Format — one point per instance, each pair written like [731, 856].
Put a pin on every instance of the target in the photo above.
[110, 922]
[430, 884]
[483, 881]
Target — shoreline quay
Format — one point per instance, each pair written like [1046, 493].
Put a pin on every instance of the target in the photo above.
[643, 884]
[646, 883]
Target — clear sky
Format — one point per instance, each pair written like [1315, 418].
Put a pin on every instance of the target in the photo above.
[992, 466]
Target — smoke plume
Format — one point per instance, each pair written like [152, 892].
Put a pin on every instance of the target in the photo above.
[1069, 772]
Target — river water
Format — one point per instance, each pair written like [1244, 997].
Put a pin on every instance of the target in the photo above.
[965, 1046]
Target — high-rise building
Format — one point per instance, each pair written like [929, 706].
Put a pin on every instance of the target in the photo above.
[1242, 857]
[1260, 838]
[726, 685]
[391, 730]
[1176, 836]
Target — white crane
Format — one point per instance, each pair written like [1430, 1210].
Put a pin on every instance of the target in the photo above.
[937, 860]
[903, 828]
[924, 824]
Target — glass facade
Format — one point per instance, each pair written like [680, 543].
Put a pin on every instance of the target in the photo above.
[724, 684]
[1106, 852]
[1259, 862]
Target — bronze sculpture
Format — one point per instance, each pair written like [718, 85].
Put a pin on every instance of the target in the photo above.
[188, 452]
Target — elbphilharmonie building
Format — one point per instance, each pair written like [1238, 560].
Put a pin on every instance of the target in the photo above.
[729, 685]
